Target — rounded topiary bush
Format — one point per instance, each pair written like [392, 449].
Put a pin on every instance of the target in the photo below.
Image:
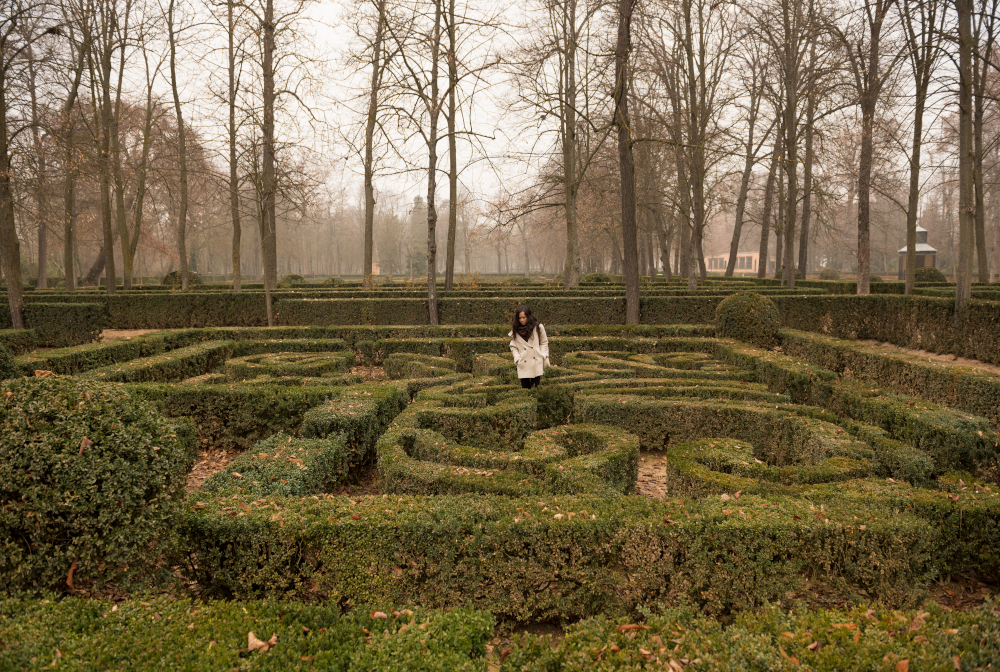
[798, 274]
[596, 277]
[291, 280]
[173, 279]
[829, 274]
[874, 278]
[335, 280]
[748, 317]
[929, 274]
[517, 281]
[90, 483]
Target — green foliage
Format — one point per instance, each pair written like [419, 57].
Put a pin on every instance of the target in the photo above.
[57, 325]
[748, 317]
[408, 365]
[8, 367]
[596, 277]
[173, 279]
[823, 640]
[18, 341]
[291, 280]
[798, 274]
[334, 281]
[829, 274]
[517, 281]
[559, 556]
[174, 365]
[361, 414]
[313, 364]
[164, 634]
[89, 480]
[237, 416]
[874, 278]
[928, 274]
[570, 459]
[501, 426]
[284, 465]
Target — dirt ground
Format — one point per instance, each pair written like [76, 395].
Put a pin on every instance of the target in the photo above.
[116, 334]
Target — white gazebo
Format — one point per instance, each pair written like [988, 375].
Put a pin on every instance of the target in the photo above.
[926, 255]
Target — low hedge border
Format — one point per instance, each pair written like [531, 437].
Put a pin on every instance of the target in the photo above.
[18, 341]
[964, 388]
[286, 465]
[361, 413]
[528, 559]
[407, 365]
[164, 634]
[822, 640]
[58, 325]
[503, 425]
[283, 363]
[171, 366]
[569, 459]
[237, 416]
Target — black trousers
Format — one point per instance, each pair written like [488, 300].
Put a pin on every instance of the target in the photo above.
[528, 383]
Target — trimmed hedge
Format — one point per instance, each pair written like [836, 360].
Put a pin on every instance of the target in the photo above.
[167, 634]
[308, 364]
[90, 479]
[285, 465]
[175, 365]
[408, 365]
[529, 559]
[57, 325]
[570, 459]
[503, 425]
[237, 416]
[822, 640]
[968, 389]
[748, 317]
[18, 341]
[362, 413]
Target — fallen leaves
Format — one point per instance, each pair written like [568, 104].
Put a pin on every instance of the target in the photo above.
[39, 373]
[85, 443]
[631, 627]
[69, 577]
[254, 644]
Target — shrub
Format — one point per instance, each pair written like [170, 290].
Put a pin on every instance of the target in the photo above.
[874, 278]
[173, 279]
[798, 274]
[18, 341]
[58, 325]
[285, 465]
[407, 365]
[829, 274]
[929, 274]
[748, 317]
[8, 367]
[516, 281]
[596, 277]
[335, 280]
[167, 634]
[823, 640]
[291, 280]
[314, 364]
[89, 479]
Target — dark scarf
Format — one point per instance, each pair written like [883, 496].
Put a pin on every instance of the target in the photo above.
[524, 331]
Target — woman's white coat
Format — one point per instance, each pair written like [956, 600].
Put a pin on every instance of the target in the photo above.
[530, 355]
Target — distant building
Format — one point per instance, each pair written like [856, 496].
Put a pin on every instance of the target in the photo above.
[746, 262]
[926, 255]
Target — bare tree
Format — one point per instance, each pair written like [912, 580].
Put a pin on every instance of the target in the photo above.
[923, 28]
[966, 159]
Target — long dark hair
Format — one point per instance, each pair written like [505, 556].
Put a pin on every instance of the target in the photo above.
[531, 323]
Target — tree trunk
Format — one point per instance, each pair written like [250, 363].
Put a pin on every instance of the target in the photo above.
[269, 249]
[625, 161]
[104, 162]
[791, 148]
[434, 110]
[234, 185]
[807, 180]
[764, 259]
[10, 253]
[449, 268]
[181, 151]
[966, 159]
[376, 81]
[571, 270]
[40, 197]
[741, 200]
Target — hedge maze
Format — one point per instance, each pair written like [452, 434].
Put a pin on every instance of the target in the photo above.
[806, 471]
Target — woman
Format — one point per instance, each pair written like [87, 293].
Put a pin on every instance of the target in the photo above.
[530, 347]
